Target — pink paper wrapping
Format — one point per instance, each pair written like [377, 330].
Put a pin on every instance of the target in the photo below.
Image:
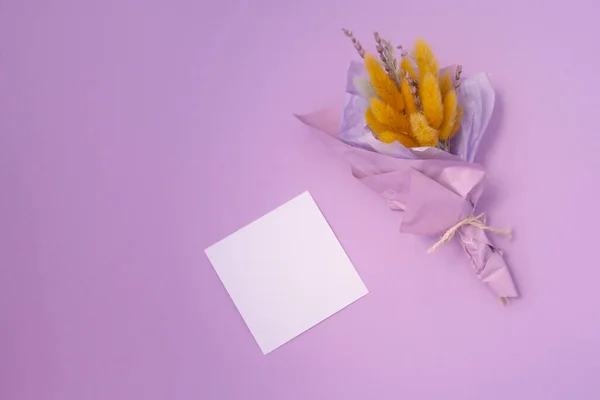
[435, 189]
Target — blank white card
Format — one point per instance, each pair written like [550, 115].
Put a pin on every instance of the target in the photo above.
[286, 272]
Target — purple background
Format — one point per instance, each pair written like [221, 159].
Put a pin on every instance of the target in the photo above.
[134, 134]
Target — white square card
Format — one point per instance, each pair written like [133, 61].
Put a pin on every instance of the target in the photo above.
[286, 272]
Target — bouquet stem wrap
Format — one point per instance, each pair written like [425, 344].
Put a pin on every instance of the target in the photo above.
[436, 190]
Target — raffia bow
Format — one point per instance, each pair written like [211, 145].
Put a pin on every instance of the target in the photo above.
[476, 221]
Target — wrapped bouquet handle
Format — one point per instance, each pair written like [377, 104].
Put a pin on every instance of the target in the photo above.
[440, 197]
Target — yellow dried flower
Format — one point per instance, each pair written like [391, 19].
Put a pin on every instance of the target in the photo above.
[450, 104]
[376, 127]
[422, 132]
[389, 116]
[409, 98]
[390, 137]
[406, 140]
[425, 59]
[386, 137]
[431, 100]
[383, 84]
[459, 114]
[407, 66]
[445, 83]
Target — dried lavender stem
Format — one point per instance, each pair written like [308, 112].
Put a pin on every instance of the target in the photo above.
[414, 88]
[359, 49]
[386, 54]
[379, 48]
[457, 76]
[403, 53]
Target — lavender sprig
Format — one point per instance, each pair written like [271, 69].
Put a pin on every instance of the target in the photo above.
[457, 75]
[359, 49]
[388, 58]
[414, 88]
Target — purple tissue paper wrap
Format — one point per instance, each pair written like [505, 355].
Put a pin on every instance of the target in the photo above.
[434, 189]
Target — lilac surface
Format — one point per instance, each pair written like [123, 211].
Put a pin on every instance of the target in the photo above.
[133, 134]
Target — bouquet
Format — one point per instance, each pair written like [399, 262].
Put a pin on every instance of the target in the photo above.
[410, 131]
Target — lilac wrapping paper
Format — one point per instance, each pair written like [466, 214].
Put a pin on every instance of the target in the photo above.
[433, 188]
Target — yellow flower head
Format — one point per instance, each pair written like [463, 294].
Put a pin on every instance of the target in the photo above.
[424, 134]
[389, 116]
[459, 114]
[383, 84]
[431, 100]
[450, 105]
[425, 59]
[446, 83]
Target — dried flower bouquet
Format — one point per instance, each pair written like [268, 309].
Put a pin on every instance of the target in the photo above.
[410, 131]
